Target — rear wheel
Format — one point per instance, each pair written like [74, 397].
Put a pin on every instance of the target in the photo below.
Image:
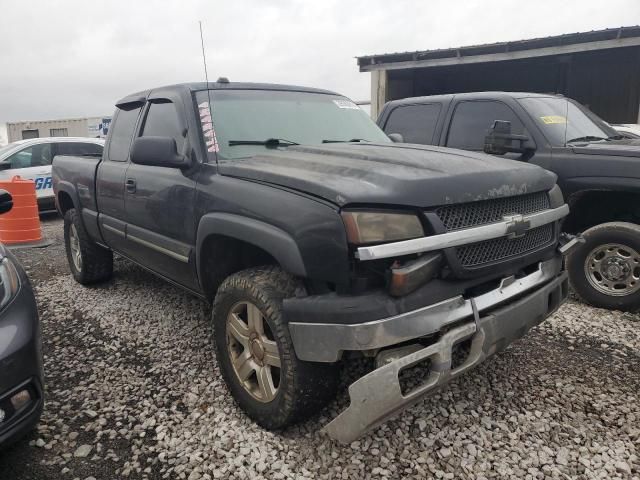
[256, 355]
[88, 261]
[605, 270]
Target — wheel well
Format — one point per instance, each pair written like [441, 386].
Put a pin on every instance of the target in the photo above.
[222, 256]
[592, 208]
[65, 202]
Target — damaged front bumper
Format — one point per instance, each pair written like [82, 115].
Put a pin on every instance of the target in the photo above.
[378, 396]
[489, 322]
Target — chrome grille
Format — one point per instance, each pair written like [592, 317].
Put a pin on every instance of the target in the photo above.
[465, 215]
[502, 248]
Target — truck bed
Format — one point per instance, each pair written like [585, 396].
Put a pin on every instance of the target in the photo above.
[79, 172]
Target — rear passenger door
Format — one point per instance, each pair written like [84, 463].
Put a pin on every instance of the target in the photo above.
[471, 121]
[111, 176]
[159, 201]
[416, 123]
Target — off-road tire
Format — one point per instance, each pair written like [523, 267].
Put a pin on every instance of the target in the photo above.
[305, 387]
[97, 261]
[621, 233]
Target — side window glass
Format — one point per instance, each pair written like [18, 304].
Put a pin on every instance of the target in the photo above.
[162, 121]
[121, 133]
[416, 123]
[34, 156]
[21, 159]
[472, 121]
[79, 148]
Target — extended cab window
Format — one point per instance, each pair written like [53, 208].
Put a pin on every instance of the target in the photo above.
[34, 156]
[162, 121]
[416, 123]
[473, 119]
[121, 133]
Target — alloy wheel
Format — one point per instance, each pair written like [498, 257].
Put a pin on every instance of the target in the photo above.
[253, 351]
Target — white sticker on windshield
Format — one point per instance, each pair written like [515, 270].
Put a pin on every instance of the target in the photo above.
[346, 104]
[207, 127]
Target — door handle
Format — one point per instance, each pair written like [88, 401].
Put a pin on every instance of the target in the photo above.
[130, 185]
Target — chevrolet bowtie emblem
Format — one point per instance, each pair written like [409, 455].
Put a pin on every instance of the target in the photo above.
[517, 226]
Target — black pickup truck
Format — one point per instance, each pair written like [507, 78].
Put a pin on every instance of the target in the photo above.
[315, 235]
[598, 171]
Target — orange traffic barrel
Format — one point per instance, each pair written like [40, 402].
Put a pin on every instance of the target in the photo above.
[21, 224]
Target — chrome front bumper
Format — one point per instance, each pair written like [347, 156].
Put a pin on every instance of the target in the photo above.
[378, 396]
[325, 342]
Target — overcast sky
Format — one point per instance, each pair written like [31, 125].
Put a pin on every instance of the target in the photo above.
[61, 59]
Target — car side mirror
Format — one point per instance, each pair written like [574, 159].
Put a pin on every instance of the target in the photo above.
[5, 165]
[159, 152]
[500, 140]
[6, 201]
[396, 137]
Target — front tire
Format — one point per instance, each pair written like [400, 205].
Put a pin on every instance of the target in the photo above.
[88, 261]
[256, 355]
[605, 270]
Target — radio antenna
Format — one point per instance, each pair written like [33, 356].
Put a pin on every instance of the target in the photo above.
[206, 77]
[204, 57]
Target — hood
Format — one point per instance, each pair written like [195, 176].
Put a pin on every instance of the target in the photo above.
[391, 174]
[620, 148]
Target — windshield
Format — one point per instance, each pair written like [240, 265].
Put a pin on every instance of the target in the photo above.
[282, 117]
[562, 121]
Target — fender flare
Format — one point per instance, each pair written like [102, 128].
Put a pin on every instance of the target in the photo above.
[69, 189]
[275, 241]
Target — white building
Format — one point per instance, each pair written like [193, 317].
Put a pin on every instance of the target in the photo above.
[95, 127]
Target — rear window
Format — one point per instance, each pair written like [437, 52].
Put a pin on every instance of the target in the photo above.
[78, 148]
[416, 123]
[121, 132]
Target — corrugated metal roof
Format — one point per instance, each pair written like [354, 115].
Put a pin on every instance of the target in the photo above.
[503, 47]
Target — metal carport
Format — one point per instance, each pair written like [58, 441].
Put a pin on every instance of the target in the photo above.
[600, 69]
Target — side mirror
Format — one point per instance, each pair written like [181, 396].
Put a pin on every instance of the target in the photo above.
[396, 137]
[5, 165]
[500, 140]
[6, 201]
[159, 152]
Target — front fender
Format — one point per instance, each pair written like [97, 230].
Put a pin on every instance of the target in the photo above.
[275, 241]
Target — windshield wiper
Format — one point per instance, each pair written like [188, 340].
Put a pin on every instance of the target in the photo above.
[269, 142]
[615, 137]
[345, 141]
[588, 138]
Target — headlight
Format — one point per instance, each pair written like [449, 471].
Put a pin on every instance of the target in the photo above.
[9, 281]
[374, 227]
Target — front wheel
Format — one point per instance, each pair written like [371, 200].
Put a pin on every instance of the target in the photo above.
[605, 270]
[256, 355]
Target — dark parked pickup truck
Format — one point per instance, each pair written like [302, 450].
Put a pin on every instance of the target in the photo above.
[315, 235]
[598, 171]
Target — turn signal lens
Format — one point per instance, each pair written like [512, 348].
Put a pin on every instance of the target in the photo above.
[20, 399]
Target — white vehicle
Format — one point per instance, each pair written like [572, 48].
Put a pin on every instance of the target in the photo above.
[31, 159]
[628, 130]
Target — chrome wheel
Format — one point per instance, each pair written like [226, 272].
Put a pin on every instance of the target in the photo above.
[74, 245]
[613, 269]
[253, 351]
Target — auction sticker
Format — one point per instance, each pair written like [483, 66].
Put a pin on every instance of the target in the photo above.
[553, 119]
[346, 104]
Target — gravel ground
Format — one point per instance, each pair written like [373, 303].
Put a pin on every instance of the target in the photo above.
[133, 391]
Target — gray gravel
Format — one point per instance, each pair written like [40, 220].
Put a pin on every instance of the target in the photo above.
[133, 391]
